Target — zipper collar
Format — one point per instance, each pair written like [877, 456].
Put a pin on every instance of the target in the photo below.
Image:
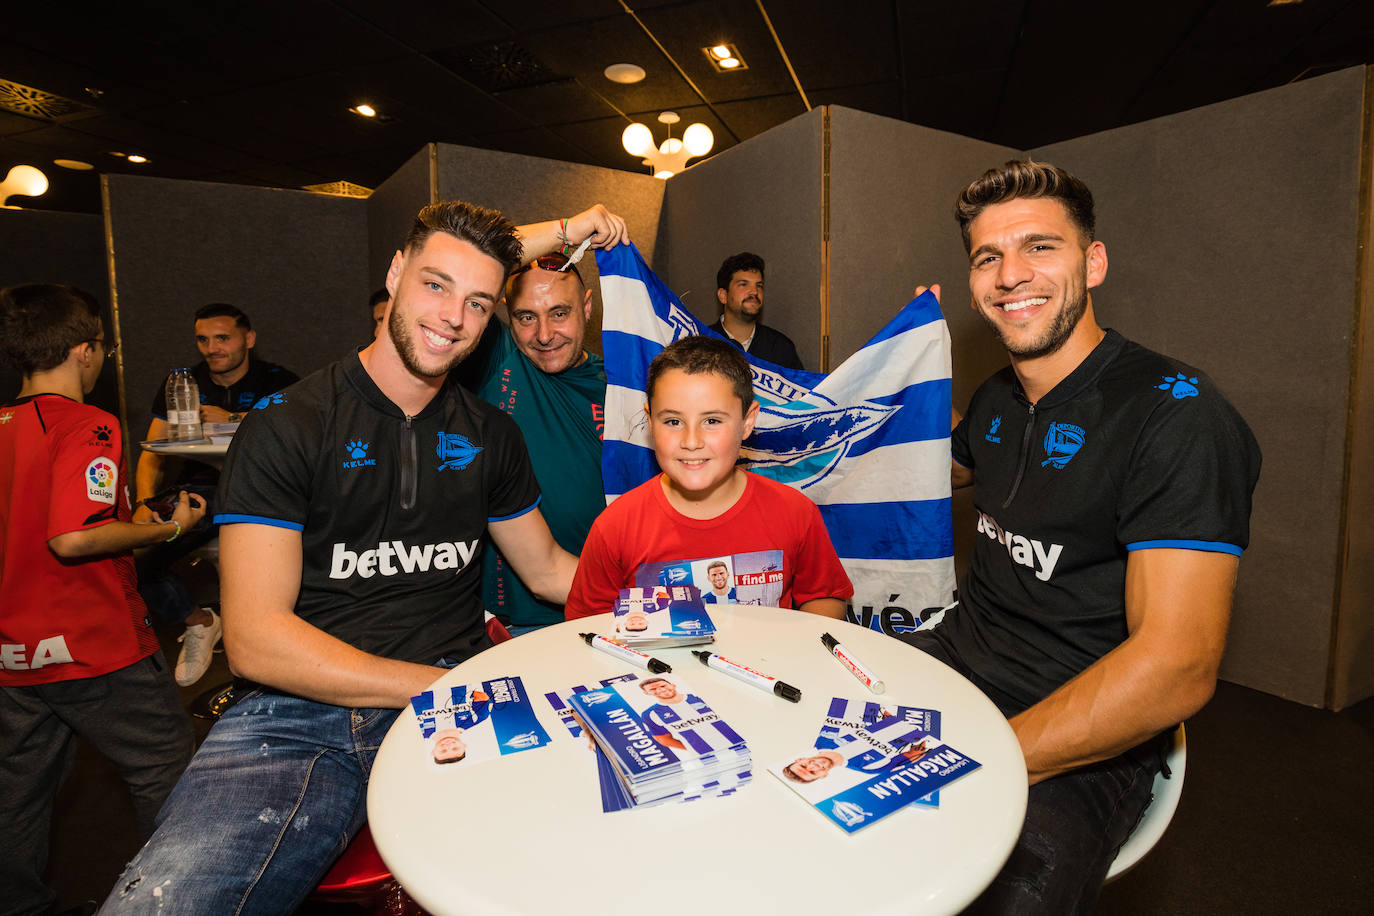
[1082, 377]
[357, 376]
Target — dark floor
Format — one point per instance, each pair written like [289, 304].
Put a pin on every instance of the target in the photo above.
[1277, 816]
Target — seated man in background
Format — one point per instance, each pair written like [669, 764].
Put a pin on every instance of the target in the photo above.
[1113, 491]
[231, 380]
[700, 408]
[377, 304]
[739, 290]
[540, 373]
[352, 517]
[77, 656]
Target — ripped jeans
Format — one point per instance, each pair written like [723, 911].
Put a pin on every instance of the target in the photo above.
[272, 798]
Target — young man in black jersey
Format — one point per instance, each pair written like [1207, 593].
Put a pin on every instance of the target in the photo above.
[353, 509]
[1113, 491]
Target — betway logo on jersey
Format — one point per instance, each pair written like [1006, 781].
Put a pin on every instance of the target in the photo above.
[1028, 552]
[392, 557]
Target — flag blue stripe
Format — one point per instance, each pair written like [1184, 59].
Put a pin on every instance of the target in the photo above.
[912, 530]
[632, 355]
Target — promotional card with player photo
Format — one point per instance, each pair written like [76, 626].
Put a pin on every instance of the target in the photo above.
[469, 725]
[742, 578]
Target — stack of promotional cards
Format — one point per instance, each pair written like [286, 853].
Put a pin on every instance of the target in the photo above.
[873, 770]
[663, 742]
[465, 726]
[661, 616]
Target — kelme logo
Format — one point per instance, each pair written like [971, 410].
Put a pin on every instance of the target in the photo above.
[1180, 386]
[357, 455]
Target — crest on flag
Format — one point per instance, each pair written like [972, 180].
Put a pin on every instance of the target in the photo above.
[868, 442]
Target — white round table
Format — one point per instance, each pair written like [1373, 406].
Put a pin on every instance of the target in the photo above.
[526, 833]
[207, 451]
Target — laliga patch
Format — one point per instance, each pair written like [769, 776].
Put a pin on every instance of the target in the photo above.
[102, 477]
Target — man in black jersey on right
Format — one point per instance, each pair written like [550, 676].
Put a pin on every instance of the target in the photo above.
[1113, 491]
[354, 507]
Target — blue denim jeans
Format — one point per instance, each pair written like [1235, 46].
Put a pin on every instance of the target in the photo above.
[272, 798]
[1075, 822]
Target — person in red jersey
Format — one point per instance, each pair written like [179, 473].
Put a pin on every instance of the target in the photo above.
[77, 654]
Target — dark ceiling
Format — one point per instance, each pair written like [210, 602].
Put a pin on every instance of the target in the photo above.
[258, 93]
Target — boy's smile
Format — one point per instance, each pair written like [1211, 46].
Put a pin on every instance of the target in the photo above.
[697, 424]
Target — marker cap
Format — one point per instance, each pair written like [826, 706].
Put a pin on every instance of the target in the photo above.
[787, 692]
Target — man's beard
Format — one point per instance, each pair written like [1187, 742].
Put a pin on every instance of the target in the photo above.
[406, 347]
[1055, 336]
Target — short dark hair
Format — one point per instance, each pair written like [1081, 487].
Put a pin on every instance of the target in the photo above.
[41, 322]
[378, 298]
[714, 563]
[487, 230]
[224, 310]
[745, 260]
[696, 355]
[1024, 178]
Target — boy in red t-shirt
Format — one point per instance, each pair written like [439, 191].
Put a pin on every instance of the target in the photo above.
[77, 656]
[702, 507]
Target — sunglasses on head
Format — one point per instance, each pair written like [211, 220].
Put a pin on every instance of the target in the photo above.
[558, 263]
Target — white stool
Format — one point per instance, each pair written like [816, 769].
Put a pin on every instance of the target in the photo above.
[1167, 791]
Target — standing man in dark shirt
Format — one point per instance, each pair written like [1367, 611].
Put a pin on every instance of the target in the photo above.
[231, 381]
[739, 285]
[1113, 490]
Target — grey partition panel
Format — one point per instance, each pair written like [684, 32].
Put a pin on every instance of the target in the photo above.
[390, 212]
[763, 196]
[1231, 233]
[47, 246]
[528, 189]
[294, 261]
[892, 228]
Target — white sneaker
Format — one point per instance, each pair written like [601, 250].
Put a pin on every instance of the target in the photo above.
[197, 648]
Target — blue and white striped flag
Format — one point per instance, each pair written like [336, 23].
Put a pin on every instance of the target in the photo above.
[869, 442]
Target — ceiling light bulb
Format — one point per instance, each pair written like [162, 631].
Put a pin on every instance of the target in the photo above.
[698, 139]
[367, 111]
[730, 63]
[637, 139]
[23, 180]
[624, 73]
[670, 147]
[135, 157]
[721, 52]
[663, 173]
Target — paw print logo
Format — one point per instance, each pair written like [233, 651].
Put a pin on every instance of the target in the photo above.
[102, 433]
[269, 400]
[1180, 386]
[357, 449]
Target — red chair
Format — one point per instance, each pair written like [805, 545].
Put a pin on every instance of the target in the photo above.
[360, 876]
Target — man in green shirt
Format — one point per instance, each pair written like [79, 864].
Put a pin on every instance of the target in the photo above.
[537, 371]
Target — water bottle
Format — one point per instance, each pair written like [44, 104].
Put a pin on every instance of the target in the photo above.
[188, 406]
[173, 428]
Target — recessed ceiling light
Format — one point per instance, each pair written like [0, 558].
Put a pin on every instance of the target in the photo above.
[135, 157]
[367, 111]
[624, 73]
[725, 58]
[116, 153]
[75, 165]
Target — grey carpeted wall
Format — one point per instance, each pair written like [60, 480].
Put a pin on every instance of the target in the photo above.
[1232, 235]
[291, 260]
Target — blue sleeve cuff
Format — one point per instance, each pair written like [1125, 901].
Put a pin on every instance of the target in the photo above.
[1207, 546]
[257, 520]
[525, 511]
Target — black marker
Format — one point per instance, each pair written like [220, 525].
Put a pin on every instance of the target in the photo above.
[625, 653]
[749, 675]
